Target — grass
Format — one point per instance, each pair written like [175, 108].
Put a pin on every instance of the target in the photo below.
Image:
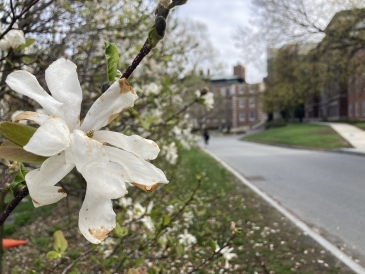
[268, 243]
[301, 135]
[360, 125]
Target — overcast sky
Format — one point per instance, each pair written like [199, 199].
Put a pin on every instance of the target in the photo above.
[223, 18]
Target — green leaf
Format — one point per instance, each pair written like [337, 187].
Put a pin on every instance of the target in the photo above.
[17, 133]
[120, 231]
[68, 7]
[112, 58]
[28, 42]
[179, 250]
[60, 243]
[19, 177]
[13, 152]
[138, 262]
[53, 255]
[213, 244]
[26, 59]
[166, 220]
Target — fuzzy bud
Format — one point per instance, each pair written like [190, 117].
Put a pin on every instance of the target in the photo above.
[204, 91]
[164, 3]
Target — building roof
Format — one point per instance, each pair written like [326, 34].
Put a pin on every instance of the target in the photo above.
[217, 79]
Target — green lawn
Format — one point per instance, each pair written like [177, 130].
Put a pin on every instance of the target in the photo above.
[303, 135]
[269, 243]
[360, 125]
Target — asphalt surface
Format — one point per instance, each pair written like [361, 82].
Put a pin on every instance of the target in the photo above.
[326, 190]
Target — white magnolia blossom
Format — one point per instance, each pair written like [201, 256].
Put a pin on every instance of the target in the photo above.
[170, 153]
[151, 88]
[208, 99]
[186, 239]
[125, 202]
[107, 160]
[226, 253]
[13, 39]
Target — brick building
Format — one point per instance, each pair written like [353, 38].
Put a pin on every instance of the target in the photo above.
[237, 106]
[343, 96]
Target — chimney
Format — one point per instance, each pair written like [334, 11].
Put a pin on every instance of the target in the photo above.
[239, 71]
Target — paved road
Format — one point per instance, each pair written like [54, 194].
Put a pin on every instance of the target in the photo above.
[324, 189]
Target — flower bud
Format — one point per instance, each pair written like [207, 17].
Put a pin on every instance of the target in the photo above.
[160, 25]
[204, 91]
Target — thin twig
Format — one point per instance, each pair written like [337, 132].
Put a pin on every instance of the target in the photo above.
[77, 260]
[13, 204]
[142, 54]
[213, 254]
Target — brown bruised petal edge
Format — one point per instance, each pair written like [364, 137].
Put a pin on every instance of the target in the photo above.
[146, 188]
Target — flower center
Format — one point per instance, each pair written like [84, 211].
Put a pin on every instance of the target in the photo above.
[90, 133]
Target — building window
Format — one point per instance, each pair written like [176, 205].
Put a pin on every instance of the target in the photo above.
[242, 103]
[349, 85]
[242, 117]
[215, 120]
[357, 88]
[356, 109]
[252, 102]
[242, 89]
[252, 116]
[233, 89]
[208, 120]
[252, 88]
[223, 120]
[223, 92]
[350, 110]
[363, 108]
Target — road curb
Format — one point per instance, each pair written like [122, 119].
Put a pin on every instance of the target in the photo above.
[300, 224]
[349, 151]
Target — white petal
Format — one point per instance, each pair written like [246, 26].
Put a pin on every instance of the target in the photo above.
[4, 44]
[139, 171]
[86, 150]
[139, 146]
[101, 178]
[119, 97]
[25, 83]
[96, 217]
[35, 117]
[41, 181]
[62, 81]
[51, 138]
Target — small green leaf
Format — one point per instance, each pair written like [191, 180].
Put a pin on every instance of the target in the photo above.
[138, 262]
[19, 177]
[120, 231]
[166, 220]
[68, 7]
[213, 244]
[53, 255]
[17, 133]
[112, 58]
[13, 152]
[26, 59]
[28, 42]
[60, 243]
[179, 250]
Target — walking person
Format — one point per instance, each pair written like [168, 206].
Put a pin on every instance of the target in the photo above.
[206, 137]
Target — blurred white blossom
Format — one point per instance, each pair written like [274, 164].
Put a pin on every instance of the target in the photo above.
[13, 39]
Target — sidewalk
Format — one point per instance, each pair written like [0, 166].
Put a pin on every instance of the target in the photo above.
[352, 134]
